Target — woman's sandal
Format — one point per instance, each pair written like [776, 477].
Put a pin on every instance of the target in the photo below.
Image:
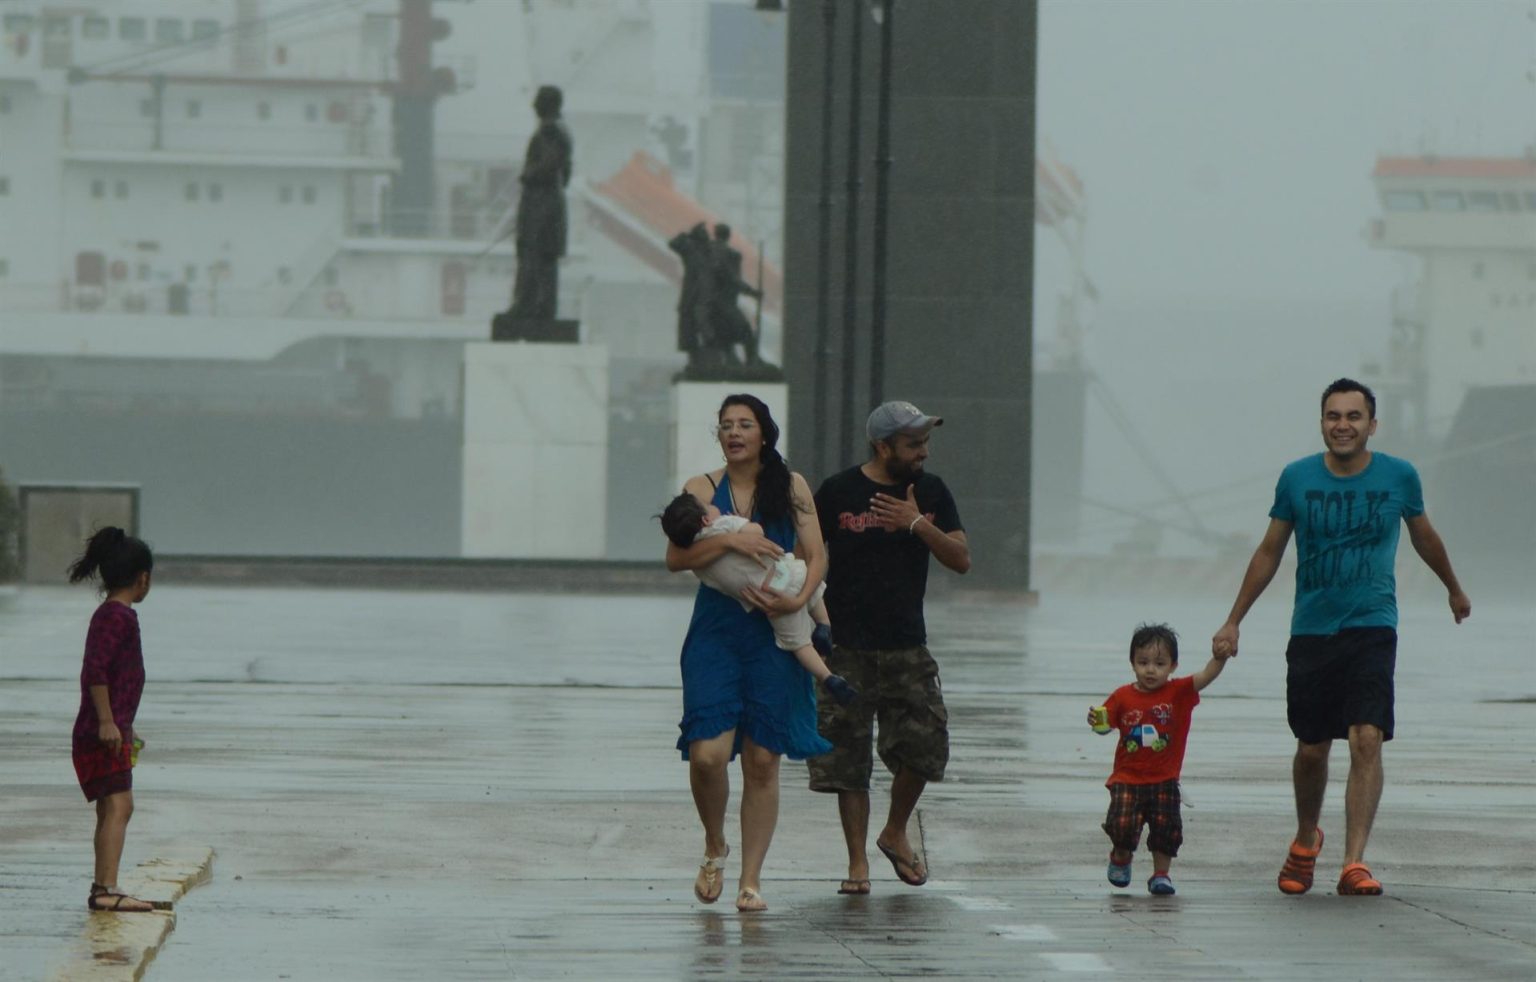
[749, 901]
[113, 901]
[711, 878]
[1296, 875]
[1357, 881]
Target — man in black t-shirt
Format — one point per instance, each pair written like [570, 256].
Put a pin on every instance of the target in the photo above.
[881, 521]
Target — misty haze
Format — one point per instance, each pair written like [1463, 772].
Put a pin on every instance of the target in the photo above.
[393, 325]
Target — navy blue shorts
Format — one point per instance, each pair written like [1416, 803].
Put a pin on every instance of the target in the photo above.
[1335, 681]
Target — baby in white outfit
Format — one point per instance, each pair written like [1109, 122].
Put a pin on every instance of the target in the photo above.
[687, 520]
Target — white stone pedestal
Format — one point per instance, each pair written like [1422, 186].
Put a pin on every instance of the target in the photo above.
[535, 451]
[696, 406]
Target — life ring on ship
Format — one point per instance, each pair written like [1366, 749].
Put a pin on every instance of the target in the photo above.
[335, 301]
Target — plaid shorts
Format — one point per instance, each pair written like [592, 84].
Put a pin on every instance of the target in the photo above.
[898, 688]
[1154, 805]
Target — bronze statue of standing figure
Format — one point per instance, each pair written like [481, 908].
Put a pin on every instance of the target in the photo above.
[541, 221]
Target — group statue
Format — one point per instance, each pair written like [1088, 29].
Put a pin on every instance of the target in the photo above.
[719, 340]
[541, 221]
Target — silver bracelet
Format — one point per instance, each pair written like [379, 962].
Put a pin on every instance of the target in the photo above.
[919, 518]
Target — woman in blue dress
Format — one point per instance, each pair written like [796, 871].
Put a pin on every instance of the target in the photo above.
[741, 693]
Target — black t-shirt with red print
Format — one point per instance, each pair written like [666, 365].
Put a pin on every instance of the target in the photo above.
[876, 579]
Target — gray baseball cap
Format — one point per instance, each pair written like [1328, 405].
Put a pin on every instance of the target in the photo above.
[890, 418]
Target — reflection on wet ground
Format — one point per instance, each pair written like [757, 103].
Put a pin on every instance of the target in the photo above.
[430, 785]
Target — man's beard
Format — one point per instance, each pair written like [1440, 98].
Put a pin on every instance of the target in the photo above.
[904, 471]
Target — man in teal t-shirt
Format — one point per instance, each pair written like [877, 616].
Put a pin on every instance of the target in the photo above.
[1344, 505]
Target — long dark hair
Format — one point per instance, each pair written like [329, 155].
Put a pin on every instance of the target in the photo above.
[116, 556]
[774, 495]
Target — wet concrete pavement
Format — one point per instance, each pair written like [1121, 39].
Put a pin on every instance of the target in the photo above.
[405, 785]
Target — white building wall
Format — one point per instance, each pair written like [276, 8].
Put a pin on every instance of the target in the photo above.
[1481, 324]
[158, 224]
[33, 199]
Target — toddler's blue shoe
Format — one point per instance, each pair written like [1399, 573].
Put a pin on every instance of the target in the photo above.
[1160, 885]
[1119, 874]
[821, 640]
[843, 691]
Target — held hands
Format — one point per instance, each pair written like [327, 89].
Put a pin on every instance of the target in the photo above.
[1461, 606]
[1224, 642]
[896, 514]
[109, 735]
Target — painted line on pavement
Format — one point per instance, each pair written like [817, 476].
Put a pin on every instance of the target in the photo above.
[1062, 961]
[1075, 961]
[1025, 932]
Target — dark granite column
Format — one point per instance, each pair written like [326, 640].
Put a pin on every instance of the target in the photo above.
[960, 241]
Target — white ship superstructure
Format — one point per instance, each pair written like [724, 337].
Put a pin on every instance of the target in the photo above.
[263, 230]
[206, 164]
[240, 158]
[1469, 318]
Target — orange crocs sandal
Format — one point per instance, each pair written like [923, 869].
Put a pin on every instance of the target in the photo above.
[1357, 881]
[1296, 875]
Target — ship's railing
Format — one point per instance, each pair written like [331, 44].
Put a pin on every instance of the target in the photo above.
[316, 301]
[483, 225]
[306, 271]
[251, 139]
[146, 298]
[33, 297]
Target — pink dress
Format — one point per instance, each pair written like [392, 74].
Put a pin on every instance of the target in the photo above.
[114, 659]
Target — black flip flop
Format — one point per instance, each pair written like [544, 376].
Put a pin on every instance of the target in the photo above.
[897, 863]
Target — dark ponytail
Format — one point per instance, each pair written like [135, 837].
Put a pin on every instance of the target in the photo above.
[774, 493]
[118, 557]
[773, 485]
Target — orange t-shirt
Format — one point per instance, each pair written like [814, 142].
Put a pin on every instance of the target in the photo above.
[1154, 727]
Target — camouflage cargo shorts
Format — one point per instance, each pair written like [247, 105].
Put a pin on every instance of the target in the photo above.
[899, 689]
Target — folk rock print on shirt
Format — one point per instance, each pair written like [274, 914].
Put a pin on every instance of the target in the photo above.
[1346, 532]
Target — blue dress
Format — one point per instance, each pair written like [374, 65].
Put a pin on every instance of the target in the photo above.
[735, 676]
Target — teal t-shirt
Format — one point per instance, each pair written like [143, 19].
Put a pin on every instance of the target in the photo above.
[1346, 540]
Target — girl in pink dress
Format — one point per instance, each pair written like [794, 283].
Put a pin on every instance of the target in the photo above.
[104, 746]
